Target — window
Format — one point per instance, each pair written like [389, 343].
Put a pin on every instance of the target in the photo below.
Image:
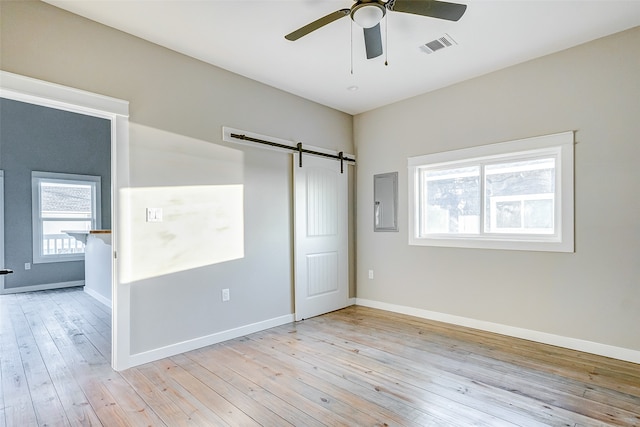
[62, 202]
[512, 195]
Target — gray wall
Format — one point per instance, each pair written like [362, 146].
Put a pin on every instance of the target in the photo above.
[178, 106]
[34, 138]
[592, 294]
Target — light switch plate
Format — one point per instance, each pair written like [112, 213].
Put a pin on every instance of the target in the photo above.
[154, 214]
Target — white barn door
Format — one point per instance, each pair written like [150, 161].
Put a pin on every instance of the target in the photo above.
[321, 271]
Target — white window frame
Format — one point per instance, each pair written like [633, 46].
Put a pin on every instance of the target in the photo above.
[560, 145]
[39, 177]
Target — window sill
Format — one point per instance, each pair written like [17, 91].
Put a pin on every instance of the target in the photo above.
[495, 243]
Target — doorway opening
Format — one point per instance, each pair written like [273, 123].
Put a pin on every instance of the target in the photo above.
[37, 92]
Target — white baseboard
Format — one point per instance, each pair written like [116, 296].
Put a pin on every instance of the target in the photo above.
[185, 346]
[606, 350]
[43, 287]
[98, 297]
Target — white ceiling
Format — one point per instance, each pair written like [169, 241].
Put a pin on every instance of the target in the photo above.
[247, 38]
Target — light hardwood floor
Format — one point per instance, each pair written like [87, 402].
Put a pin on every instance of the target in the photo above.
[354, 367]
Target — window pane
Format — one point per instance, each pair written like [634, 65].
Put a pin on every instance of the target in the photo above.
[65, 200]
[452, 201]
[538, 213]
[508, 215]
[520, 197]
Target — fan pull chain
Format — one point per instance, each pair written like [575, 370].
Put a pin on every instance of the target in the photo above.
[386, 44]
[351, 21]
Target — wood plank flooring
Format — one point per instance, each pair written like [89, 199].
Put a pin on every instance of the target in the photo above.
[354, 367]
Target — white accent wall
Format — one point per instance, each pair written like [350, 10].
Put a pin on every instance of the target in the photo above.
[590, 297]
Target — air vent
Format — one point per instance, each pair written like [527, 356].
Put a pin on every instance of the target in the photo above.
[438, 44]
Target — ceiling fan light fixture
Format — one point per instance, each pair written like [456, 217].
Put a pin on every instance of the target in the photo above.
[368, 15]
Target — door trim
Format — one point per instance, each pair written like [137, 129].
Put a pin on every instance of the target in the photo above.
[2, 229]
[46, 94]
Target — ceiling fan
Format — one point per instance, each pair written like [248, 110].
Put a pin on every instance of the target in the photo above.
[368, 14]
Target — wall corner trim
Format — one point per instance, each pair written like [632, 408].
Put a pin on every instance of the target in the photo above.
[599, 349]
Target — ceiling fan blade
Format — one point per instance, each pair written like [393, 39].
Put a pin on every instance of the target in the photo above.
[373, 41]
[431, 8]
[303, 31]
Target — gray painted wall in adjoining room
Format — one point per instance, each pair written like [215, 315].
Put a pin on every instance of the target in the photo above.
[35, 138]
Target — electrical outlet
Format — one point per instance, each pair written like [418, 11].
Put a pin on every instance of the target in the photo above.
[370, 274]
[27, 266]
[225, 295]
